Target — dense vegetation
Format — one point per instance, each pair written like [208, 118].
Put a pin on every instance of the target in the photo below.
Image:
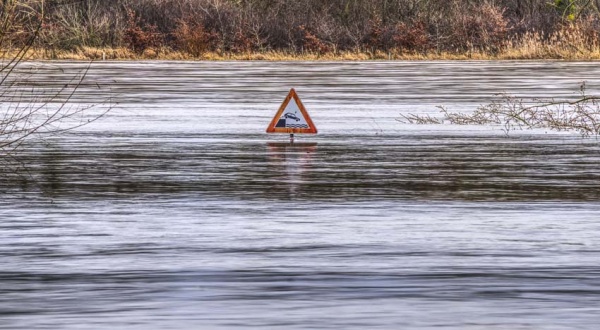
[541, 28]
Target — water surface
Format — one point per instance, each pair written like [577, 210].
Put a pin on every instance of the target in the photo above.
[177, 211]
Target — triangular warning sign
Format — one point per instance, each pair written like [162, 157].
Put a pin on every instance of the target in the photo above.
[292, 117]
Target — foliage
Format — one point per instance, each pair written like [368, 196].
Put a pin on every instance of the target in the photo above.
[140, 35]
[201, 26]
[566, 8]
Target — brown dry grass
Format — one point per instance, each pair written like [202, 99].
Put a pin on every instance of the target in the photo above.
[531, 49]
[560, 46]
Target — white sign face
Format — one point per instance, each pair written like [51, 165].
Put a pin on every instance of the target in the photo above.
[292, 117]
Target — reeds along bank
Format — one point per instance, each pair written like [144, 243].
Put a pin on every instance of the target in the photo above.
[195, 27]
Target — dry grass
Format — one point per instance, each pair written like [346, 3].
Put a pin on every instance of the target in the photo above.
[564, 44]
[531, 49]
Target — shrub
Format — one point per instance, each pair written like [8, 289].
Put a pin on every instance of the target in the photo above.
[139, 35]
[482, 28]
[192, 37]
[411, 36]
[312, 43]
[242, 41]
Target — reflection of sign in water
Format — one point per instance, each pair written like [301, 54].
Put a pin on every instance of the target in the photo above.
[293, 161]
[292, 117]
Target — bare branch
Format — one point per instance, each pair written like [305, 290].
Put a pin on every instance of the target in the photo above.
[581, 115]
[27, 109]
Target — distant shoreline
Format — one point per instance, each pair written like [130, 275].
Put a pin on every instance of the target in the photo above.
[307, 30]
[125, 54]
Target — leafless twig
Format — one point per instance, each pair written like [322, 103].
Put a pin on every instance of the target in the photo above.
[581, 115]
[30, 107]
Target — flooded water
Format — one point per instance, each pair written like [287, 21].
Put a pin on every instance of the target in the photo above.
[177, 211]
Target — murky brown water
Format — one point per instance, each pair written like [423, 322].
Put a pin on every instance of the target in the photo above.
[177, 211]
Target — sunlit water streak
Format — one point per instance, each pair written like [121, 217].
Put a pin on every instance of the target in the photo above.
[177, 211]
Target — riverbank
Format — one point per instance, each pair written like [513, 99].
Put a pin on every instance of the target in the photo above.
[528, 51]
[303, 30]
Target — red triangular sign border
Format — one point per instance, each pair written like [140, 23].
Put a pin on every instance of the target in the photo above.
[312, 129]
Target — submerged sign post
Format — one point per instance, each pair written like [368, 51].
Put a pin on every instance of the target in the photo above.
[292, 118]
